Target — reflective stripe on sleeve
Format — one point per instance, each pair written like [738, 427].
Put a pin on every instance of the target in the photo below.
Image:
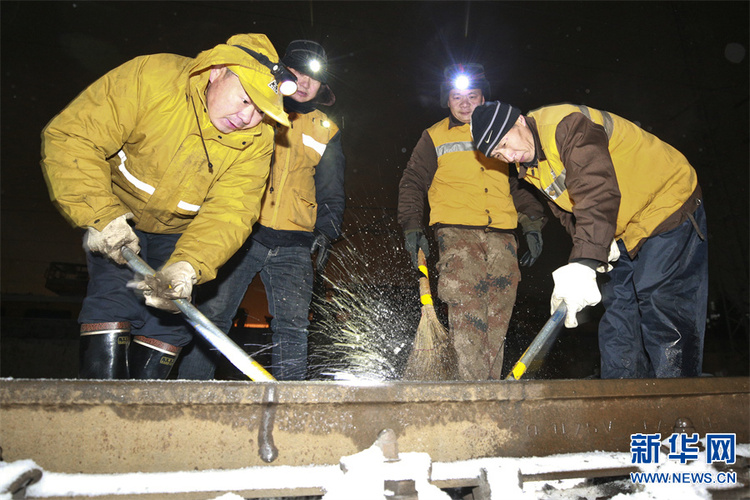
[308, 141]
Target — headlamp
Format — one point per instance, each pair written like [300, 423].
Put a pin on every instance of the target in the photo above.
[286, 81]
[461, 82]
[314, 65]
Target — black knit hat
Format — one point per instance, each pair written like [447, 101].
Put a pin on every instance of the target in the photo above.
[301, 53]
[490, 122]
[309, 58]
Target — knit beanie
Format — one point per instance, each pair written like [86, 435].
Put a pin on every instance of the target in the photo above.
[490, 122]
[307, 57]
[310, 58]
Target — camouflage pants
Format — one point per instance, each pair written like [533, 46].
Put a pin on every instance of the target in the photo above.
[478, 277]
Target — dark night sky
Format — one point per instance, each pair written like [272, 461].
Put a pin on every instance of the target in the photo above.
[671, 66]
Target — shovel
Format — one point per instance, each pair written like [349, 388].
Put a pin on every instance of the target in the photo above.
[238, 357]
[541, 344]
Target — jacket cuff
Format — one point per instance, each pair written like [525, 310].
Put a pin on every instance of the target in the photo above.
[583, 250]
[590, 263]
[103, 219]
[529, 223]
[411, 226]
[202, 273]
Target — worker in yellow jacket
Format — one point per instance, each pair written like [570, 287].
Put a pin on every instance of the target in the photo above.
[169, 156]
[475, 205]
[301, 214]
[634, 208]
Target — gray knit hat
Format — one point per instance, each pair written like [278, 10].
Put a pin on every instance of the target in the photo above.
[490, 122]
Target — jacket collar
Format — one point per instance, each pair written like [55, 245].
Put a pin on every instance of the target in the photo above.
[538, 151]
[453, 122]
[298, 107]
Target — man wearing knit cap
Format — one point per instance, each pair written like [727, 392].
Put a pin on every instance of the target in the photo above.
[472, 205]
[301, 214]
[633, 206]
[168, 156]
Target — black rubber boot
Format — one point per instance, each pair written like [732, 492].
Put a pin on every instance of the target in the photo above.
[150, 358]
[103, 350]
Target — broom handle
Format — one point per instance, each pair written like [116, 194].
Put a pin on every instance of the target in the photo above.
[425, 294]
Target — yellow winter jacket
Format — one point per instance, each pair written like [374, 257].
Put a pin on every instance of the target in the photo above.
[289, 203]
[653, 180]
[131, 143]
[468, 189]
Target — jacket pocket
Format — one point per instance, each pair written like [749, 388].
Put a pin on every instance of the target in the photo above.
[303, 212]
[181, 210]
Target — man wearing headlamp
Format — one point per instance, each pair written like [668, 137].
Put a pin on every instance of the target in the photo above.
[169, 156]
[475, 207]
[301, 214]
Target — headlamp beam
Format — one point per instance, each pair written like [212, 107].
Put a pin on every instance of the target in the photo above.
[461, 82]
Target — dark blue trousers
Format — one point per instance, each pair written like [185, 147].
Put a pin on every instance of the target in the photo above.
[655, 306]
[109, 299]
[287, 276]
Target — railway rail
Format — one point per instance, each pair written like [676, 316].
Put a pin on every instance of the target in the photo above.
[106, 427]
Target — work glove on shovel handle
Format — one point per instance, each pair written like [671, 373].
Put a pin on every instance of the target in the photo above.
[173, 282]
[575, 285]
[414, 239]
[112, 238]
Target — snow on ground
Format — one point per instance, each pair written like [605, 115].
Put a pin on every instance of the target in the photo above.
[361, 477]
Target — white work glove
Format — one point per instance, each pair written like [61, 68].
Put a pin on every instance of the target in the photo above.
[112, 238]
[614, 254]
[175, 281]
[575, 284]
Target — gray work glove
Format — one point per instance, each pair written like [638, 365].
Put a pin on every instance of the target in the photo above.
[175, 281]
[532, 230]
[414, 239]
[112, 238]
[322, 245]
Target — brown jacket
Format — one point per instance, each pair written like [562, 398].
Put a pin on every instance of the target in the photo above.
[624, 187]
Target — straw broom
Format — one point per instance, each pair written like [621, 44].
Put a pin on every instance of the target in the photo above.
[432, 356]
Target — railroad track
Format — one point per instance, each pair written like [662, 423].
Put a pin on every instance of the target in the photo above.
[107, 427]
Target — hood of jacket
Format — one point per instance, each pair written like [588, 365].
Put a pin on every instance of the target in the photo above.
[256, 78]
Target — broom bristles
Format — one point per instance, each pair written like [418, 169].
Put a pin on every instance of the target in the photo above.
[432, 356]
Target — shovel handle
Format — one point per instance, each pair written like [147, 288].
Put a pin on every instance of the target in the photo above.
[546, 335]
[220, 340]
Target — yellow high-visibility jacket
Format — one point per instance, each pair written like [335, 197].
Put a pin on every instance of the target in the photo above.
[131, 143]
[290, 203]
[468, 189]
[464, 188]
[617, 180]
